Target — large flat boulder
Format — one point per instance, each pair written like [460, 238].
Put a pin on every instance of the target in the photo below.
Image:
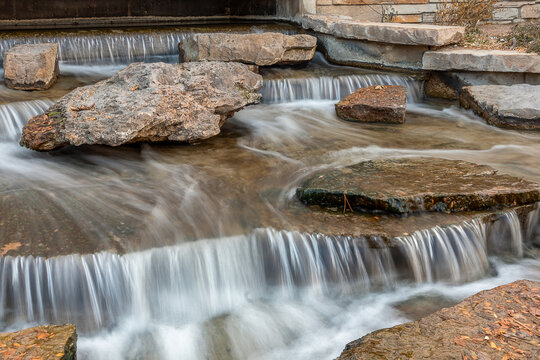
[147, 102]
[514, 107]
[501, 323]
[31, 66]
[46, 342]
[258, 49]
[417, 184]
[393, 33]
[375, 104]
[481, 60]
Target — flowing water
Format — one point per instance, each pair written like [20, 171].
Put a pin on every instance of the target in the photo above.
[173, 251]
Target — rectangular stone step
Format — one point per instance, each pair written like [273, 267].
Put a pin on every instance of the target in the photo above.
[481, 60]
[392, 33]
[514, 107]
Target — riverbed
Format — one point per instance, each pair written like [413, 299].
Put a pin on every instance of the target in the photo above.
[202, 251]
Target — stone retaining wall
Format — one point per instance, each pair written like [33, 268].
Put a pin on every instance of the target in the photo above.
[416, 11]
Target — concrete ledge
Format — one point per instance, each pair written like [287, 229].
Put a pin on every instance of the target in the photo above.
[392, 33]
[131, 21]
[481, 60]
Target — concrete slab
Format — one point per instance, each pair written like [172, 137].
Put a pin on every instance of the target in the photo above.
[392, 33]
[481, 60]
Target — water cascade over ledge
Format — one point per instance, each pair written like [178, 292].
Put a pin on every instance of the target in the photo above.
[203, 279]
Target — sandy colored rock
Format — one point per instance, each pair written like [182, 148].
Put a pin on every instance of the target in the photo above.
[46, 342]
[147, 102]
[393, 33]
[417, 184]
[481, 60]
[514, 107]
[375, 104]
[501, 323]
[436, 87]
[259, 49]
[31, 66]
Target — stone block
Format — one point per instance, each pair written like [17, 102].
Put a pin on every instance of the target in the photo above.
[31, 66]
[481, 60]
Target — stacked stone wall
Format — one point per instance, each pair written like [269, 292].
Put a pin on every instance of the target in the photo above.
[421, 11]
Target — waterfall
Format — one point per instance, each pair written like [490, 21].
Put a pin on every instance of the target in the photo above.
[13, 116]
[118, 46]
[108, 47]
[204, 279]
[456, 253]
[334, 87]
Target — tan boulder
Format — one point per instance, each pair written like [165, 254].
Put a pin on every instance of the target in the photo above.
[259, 49]
[31, 66]
[147, 103]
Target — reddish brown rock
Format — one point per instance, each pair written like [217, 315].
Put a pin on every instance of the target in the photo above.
[31, 66]
[47, 342]
[375, 104]
[501, 323]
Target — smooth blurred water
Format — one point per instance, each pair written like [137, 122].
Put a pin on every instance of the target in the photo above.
[202, 252]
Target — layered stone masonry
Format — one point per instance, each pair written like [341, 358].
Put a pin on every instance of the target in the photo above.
[420, 11]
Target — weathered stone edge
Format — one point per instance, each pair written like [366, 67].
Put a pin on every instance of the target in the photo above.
[491, 116]
[430, 202]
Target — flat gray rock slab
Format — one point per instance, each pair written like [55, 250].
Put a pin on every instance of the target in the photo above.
[481, 60]
[417, 184]
[393, 33]
[515, 106]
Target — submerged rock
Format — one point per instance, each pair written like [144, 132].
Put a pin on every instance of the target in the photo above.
[147, 102]
[46, 342]
[375, 104]
[31, 66]
[417, 184]
[259, 49]
[515, 106]
[500, 323]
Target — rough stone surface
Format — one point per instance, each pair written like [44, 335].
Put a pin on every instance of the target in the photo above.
[436, 87]
[501, 323]
[393, 33]
[515, 106]
[530, 11]
[375, 104]
[46, 342]
[371, 54]
[31, 66]
[417, 184]
[147, 102]
[260, 49]
[481, 60]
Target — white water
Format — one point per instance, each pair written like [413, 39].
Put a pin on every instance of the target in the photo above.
[257, 292]
[112, 46]
[267, 294]
[334, 88]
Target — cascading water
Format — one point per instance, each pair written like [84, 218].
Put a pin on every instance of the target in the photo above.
[113, 46]
[334, 88]
[187, 251]
[15, 115]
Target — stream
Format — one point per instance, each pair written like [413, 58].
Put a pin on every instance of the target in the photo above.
[201, 251]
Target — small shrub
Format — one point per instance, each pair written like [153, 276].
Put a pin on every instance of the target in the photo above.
[527, 36]
[468, 13]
